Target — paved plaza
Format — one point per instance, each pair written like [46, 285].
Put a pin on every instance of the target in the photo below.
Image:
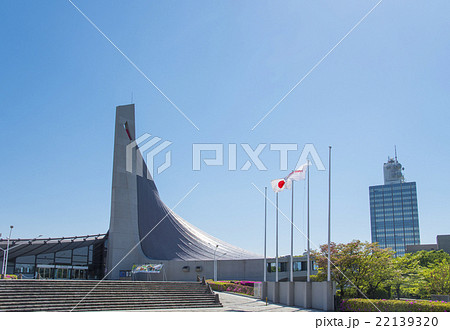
[233, 302]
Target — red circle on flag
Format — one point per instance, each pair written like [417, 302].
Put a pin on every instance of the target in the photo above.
[281, 184]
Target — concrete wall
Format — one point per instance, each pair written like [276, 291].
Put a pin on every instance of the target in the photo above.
[316, 295]
[287, 293]
[443, 242]
[319, 295]
[273, 292]
[246, 270]
[300, 294]
[421, 247]
[284, 293]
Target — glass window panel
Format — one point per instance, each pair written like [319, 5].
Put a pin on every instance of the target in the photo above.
[64, 254]
[25, 260]
[47, 258]
[23, 268]
[83, 251]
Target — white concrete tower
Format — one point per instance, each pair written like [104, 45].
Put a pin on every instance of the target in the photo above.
[123, 248]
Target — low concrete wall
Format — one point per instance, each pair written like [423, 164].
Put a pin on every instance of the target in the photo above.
[287, 293]
[284, 293]
[317, 295]
[245, 270]
[300, 294]
[273, 292]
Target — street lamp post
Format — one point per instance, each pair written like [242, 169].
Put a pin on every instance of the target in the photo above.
[3, 261]
[215, 264]
[9, 249]
[5, 255]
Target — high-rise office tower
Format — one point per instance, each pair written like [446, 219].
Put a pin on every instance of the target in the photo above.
[394, 214]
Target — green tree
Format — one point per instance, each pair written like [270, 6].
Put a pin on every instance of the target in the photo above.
[377, 269]
[421, 277]
[428, 258]
[405, 274]
[362, 265]
[436, 278]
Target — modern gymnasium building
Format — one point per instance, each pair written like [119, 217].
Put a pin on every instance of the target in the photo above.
[142, 230]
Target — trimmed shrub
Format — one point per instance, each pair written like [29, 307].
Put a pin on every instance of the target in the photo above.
[246, 283]
[375, 305]
[231, 286]
[10, 277]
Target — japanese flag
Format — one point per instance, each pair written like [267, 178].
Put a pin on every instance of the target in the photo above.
[286, 183]
[278, 185]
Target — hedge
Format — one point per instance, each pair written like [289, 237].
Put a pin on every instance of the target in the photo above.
[229, 286]
[368, 305]
[10, 277]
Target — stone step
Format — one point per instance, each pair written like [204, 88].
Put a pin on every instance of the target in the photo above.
[8, 291]
[112, 308]
[55, 295]
[99, 293]
[102, 286]
[172, 287]
[108, 282]
[93, 303]
[105, 283]
[98, 287]
[109, 307]
[111, 298]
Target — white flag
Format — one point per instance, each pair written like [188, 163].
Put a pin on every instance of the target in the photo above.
[298, 174]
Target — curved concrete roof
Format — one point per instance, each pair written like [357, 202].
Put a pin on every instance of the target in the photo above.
[167, 236]
[27, 247]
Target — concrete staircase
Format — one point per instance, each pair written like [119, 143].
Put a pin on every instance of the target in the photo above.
[68, 295]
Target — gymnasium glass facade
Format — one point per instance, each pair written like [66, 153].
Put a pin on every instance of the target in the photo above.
[63, 258]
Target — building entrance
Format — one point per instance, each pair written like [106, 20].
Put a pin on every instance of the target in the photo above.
[61, 272]
[79, 274]
[46, 273]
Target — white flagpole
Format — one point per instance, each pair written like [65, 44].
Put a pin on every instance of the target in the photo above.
[276, 249]
[308, 268]
[329, 215]
[292, 236]
[265, 234]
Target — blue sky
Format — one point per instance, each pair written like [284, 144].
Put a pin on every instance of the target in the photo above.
[225, 64]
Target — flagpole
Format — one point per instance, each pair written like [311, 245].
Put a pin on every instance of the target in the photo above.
[292, 236]
[329, 215]
[276, 248]
[308, 268]
[265, 234]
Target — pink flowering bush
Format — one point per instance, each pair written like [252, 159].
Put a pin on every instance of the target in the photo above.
[10, 277]
[374, 305]
[242, 287]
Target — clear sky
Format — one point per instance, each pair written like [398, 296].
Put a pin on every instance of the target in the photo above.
[225, 64]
